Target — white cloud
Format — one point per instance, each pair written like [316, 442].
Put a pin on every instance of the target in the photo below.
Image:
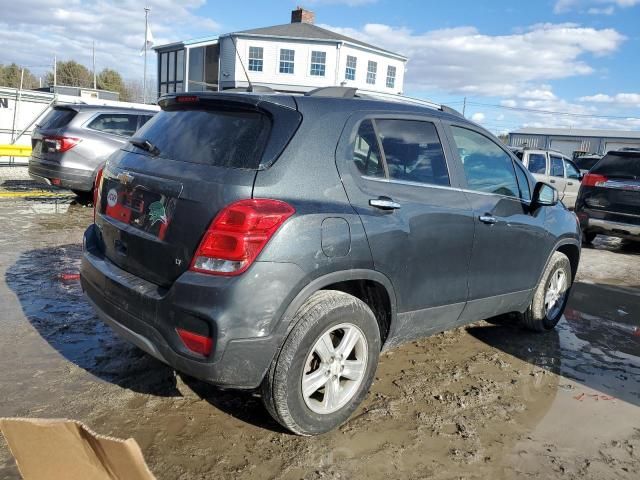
[606, 7]
[464, 61]
[33, 31]
[601, 11]
[478, 117]
[600, 113]
[620, 99]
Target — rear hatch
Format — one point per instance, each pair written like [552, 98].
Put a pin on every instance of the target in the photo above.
[200, 153]
[46, 138]
[613, 186]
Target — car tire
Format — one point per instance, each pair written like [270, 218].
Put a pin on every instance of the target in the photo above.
[333, 333]
[551, 295]
[589, 237]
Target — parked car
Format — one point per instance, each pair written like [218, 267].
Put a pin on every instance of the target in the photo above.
[586, 162]
[73, 141]
[609, 199]
[554, 168]
[274, 242]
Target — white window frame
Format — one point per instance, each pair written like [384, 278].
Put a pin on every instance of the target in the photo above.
[287, 62]
[372, 74]
[255, 59]
[391, 79]
[351, 69]
[312, 63]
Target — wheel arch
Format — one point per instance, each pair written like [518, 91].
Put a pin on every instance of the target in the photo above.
[372, 287]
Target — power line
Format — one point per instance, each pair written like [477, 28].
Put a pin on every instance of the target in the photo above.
[551, 112]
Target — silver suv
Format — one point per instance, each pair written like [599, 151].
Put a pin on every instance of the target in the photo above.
[73, 141]
[553, 167]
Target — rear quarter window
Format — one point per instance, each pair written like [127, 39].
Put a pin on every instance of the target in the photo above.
[57, 118]
[619, 165]
[224, 138]
[123, 124]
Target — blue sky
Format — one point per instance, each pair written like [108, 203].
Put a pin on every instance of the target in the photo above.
[574, 56]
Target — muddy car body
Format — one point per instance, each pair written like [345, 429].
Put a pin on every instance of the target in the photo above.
[273, 241]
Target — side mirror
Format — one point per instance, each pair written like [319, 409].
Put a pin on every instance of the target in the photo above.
[544, 195]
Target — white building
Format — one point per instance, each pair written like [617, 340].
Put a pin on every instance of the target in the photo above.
[294, 57]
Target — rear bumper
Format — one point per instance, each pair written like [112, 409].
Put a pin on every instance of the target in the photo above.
[71, 178]
[613, 228]
[602, 222]
[239, 313]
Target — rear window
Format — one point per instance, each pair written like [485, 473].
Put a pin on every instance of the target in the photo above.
[619, 165]
[223, 138]
[57, 118]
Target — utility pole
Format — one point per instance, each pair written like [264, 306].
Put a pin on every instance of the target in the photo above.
[55, 71]
[464, 105]
[15, 110]
[94, 65]
[146, 33]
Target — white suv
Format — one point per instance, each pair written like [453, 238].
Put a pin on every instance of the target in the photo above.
[555, 169]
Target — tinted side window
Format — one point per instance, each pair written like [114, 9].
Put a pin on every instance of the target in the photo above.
[572, 170]
[144, 119]
[538, 163]
[366, 154]
[487, 167]
[557, 166]
[413, 151]
[57, 118]
[523, 182]
[116, 123]
[586, 163]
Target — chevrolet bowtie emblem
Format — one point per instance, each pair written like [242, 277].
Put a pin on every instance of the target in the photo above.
[125, 178]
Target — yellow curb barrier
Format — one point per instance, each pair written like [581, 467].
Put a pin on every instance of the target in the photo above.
[15, 150]
[33, 194]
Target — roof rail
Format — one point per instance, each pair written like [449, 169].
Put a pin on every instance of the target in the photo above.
[351, 92]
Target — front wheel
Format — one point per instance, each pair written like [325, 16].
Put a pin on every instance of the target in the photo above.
[326, 365]
[551, 295]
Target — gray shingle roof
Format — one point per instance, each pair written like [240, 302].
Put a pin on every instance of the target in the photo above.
[308, 31]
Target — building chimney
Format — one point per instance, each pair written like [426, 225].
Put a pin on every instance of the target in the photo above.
[300, 15]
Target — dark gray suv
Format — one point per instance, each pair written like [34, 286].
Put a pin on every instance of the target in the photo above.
[73, 141]
[280, 242]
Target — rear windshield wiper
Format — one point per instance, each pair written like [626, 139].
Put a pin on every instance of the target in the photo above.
[145, 144]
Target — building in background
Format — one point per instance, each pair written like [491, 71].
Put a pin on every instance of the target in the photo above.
[295, 57]
[81, 92]
[575, 142]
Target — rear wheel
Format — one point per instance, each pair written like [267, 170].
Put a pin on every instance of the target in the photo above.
[326, 365]
[551, 295]
[589, 237]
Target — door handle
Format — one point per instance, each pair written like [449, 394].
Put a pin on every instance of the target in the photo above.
[384, 203]
[552, 181]
[489, 219]
[569, 183]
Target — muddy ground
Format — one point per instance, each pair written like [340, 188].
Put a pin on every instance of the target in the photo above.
[485, 401]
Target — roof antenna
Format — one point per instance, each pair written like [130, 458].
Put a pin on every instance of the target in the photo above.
[250, 87]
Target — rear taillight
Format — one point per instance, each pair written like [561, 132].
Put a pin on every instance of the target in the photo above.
[238, 234]
[97, 186]
[594, 180]
[195, 342]
[59, 144]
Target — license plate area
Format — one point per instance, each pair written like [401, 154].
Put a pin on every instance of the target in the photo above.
[136, 206]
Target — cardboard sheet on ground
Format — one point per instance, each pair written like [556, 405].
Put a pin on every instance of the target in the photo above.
[67, 449]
